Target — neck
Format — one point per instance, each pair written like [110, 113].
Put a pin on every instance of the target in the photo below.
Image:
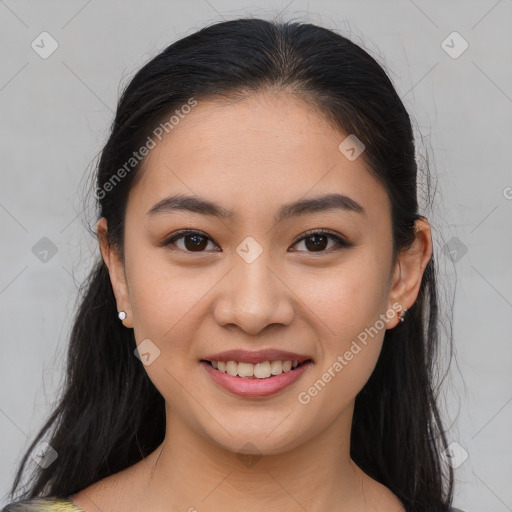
[189, 472]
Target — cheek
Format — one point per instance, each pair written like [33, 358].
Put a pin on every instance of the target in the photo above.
[347, 298]
[165, 298]
[341, 377]
[164, 304]
[350, 305]
[350, 340]
[167, 306]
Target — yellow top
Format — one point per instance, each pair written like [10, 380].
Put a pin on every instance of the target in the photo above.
[49, 504]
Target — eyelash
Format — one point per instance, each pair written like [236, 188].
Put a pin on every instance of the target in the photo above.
[341, 243]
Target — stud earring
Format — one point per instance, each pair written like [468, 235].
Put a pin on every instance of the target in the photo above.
[121, 315]
[401, 317]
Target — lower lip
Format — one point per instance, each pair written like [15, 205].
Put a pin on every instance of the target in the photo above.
[255, 388]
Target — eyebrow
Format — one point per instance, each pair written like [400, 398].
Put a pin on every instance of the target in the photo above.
[301, 207]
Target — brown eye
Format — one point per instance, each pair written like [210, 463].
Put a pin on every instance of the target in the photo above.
[189, 241]
[315, 241]
[195, 242]
[318, 241]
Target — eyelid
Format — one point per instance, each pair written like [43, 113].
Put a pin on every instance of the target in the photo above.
[184, 232]
[340, 240]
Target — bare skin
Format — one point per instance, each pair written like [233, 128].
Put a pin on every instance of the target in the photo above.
[253, 157]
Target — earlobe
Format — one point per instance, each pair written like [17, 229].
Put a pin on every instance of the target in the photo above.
[115, 265]
[408, 273]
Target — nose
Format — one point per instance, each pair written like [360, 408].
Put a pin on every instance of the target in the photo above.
[252, 297]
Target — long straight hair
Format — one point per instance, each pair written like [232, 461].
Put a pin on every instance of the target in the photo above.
[110, 415]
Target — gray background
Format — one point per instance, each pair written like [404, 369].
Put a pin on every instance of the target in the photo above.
[56, 113]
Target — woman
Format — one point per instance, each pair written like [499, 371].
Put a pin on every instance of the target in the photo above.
[261, 327]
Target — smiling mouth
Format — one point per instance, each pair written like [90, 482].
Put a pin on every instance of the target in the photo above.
[263, 370]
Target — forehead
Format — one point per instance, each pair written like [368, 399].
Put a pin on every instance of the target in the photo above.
[268, 148]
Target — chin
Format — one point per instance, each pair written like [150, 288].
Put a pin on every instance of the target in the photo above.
[257, 442]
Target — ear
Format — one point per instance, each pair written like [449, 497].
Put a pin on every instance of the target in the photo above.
[115, 265]
[408, 271]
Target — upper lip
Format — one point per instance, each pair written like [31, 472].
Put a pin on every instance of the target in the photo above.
[256, 356]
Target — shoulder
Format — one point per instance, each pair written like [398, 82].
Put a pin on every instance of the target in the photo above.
[46, 504]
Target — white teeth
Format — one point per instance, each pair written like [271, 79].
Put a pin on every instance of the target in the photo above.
[262, 370]
[276, 367]
[243, 369]
[259, 370]
[231, 367]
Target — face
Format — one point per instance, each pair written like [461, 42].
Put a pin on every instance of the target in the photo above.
[316, 279]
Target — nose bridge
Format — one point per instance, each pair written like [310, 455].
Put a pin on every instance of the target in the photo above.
[253, 297]
[254, 281]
